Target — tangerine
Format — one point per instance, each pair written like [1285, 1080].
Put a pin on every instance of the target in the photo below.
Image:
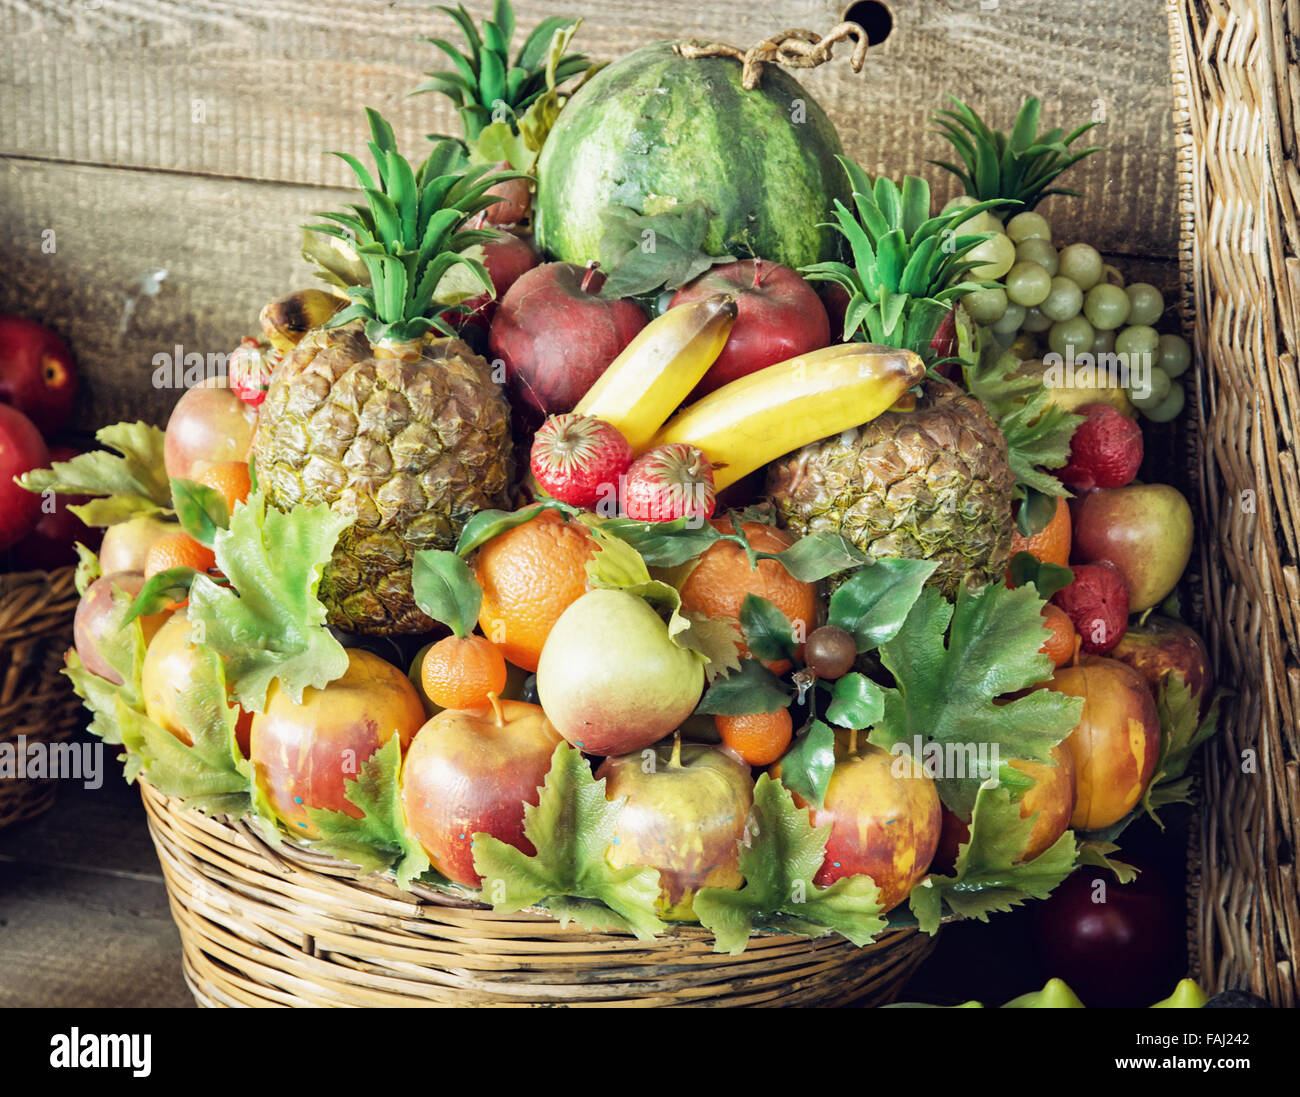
[230, 479]
[1051, 544]
[1059, 647]
[461, 671]
[760, 738]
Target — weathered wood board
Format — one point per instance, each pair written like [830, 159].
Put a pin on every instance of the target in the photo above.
[189, 136]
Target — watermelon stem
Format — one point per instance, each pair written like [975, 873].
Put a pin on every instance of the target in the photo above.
[798, 49]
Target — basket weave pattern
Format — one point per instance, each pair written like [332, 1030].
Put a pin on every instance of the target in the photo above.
[36, 701]
[1236, 111]
[285, 926]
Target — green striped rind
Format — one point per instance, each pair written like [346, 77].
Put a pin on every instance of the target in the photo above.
[654, 130]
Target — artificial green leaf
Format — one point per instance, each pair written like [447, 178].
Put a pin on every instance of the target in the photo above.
[952, 663]
[162, 591]
[1025, 569]
[749, 689]
[571, 827]
[768, 632]
[807, 766]
[1097, 854]
[271, 626]
[856, 702]
[664, 544]
[716, 640]
[134, 480]
[655, 250]
[987, 877]
[487, 524]
[616, 565]
[446, 589]
[818, 555]
[201, 510]
[1182, 731]
[379, 839]
[872, 605]
[779, 856]
[88, 569]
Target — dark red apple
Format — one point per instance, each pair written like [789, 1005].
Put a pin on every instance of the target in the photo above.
[778, 316]
[472, 772]
[556, 334]
[1116, 945]
[21, 449]
[52, 541]
[506, 257]
[37, 373]
[1161, 646]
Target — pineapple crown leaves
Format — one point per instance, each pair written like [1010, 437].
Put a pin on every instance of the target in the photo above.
[1020, 165]
[409, 233]
[908, 268]
[486, 85]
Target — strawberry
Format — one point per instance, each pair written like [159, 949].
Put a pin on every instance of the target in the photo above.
[1105, 452]
[578, 459]
[669, 482]
[250, 368]
[1097, 603]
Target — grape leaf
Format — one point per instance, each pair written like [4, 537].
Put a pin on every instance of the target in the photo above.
[200, 509]
[779, 856]
[986, 878]
[1026, 568]
[807, 766]
[379, 839]
[133, 482]
[271, 626]
[873, 603]
[1181, 731]
[655, 250]
[950, 663]
[716, 639]
[571, 827]
[88, 569]
[1098, 854]
[446, 589]
[768, 631]
[751, 688]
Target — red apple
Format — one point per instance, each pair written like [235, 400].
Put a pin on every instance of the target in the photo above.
[21, 449]
[884, 817]
[97, 618]
[37, 373]
[685, 809]
[1161, 646]
[1145, 530]
[473, 772]
[556, 334]
[778, 316]
[506, 257]
[304, 754]
[1116, 742]
[52, 541]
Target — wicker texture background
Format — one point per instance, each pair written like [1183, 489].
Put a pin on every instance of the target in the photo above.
[1237, 104]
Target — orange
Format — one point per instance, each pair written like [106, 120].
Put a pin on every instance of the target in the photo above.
[759, 738]
[1059, 647]
[177, 550]
[460, 672]
[230, 478]
[717, 586]
[1051, 544]
[530, 575]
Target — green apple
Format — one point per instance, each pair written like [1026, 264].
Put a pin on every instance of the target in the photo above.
[610, 678]
[1145, 530]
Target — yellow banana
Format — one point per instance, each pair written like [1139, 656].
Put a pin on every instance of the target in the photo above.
[659, 368]
[758, 418]
[287, 319]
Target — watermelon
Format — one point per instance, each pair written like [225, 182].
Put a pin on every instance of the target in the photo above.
[654, 130]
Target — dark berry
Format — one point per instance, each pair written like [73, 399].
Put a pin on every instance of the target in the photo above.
[830, 652]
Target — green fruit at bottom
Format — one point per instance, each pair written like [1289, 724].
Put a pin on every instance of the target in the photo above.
[1054, 995]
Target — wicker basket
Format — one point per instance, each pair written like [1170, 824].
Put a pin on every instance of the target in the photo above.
[1237, 107]
[36, 702]
[263, 926]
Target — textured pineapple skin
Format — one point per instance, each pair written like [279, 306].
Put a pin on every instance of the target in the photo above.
[932, 484]
[409, 448]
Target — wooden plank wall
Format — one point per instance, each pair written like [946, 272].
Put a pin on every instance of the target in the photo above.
[146, 135]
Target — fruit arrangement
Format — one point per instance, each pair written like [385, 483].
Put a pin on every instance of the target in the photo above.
[746, 578]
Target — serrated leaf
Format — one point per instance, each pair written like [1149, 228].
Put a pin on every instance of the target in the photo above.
[571, 827]
[951, 663]
[88, 569]
[987, 878]
[807, 766]
[379, 839]
[779, 856]
[872, 605]
[271, 626]
[749, 689]
[652, 251]
[446, 589]
[716, 640]
[768, 632]
[1097, 854]
[856, 702]
[134, 480]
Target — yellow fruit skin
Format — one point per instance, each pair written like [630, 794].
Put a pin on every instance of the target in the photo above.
[287, 319]
[758, 418]
[659, 368]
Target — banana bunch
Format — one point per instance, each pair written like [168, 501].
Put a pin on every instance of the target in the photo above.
[287, 319]
[755, 419]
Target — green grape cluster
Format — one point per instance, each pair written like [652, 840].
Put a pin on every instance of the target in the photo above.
[1058, 300]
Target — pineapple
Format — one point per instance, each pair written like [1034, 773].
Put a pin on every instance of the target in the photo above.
[381, 413]
[931, 483]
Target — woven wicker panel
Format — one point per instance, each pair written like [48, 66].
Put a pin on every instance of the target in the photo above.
[36, 700]
[1237, 104]
[285, 926]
